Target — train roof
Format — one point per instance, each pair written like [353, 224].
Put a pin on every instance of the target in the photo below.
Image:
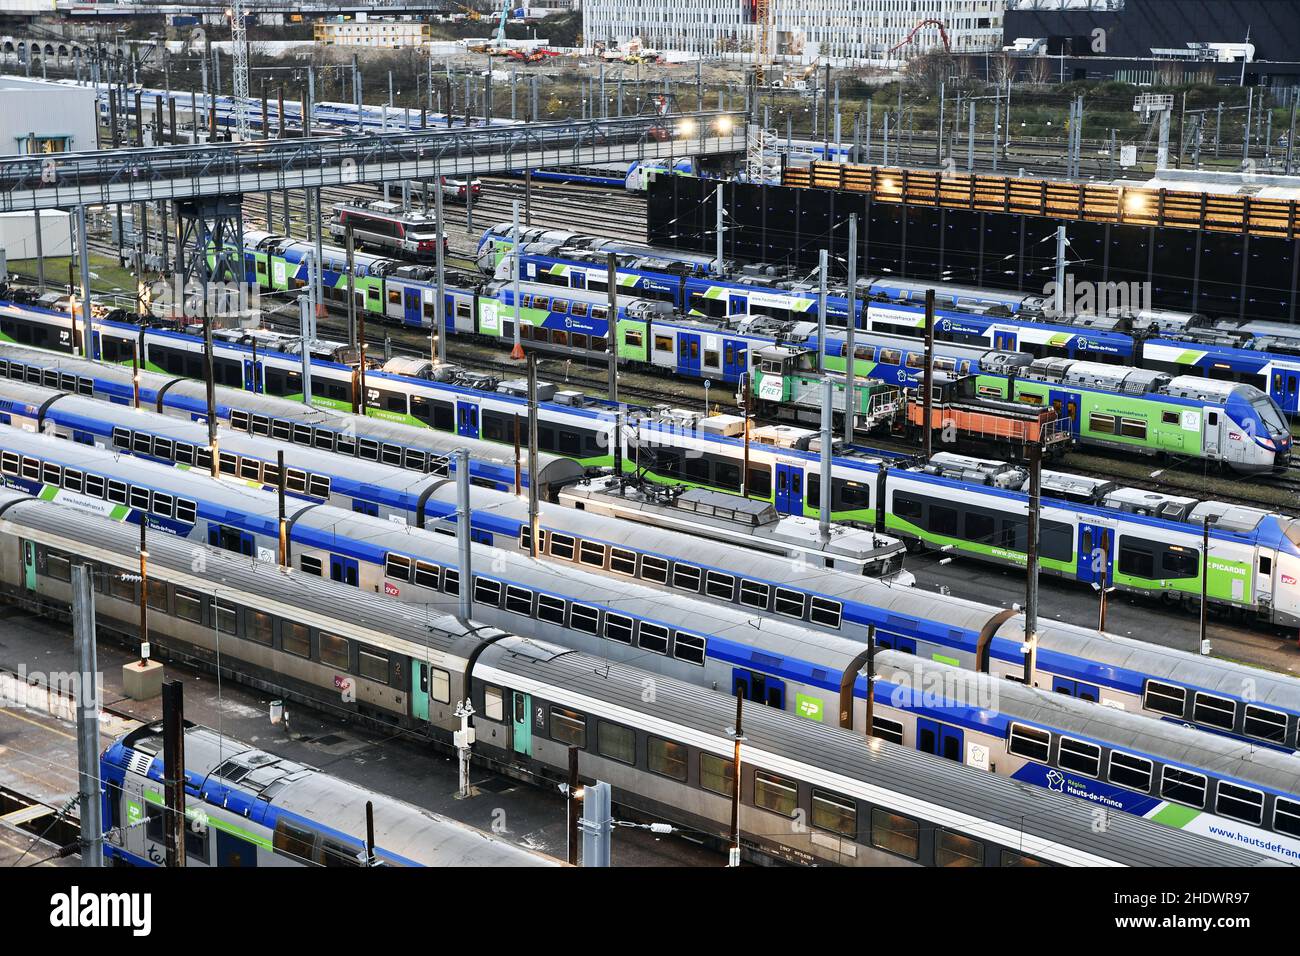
[1043, 824]
[402, 830]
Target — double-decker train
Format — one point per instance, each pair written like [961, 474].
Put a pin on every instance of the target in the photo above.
[869, 802]
[1141, 542]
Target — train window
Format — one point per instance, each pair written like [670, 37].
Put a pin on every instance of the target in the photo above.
[540, 302]
[121, 587]
[1012, 858]
[293, 841]
[754, 594]
[122, 438]
[560, 305]
[494, 707]
[368, 449]
[1183, 786]
[162, 504]
[633, 339]
[825, 612]
[141, 443]
[654, 569]
[942, 520]
[295, 479]
[51, 473]
[600, 312]
[653, 637]
[203, 458]
[663, 343]
[1081, 757]
[426, 575]
[345, 446]
[226, 617]
[519, 600]
[72, 479]
[584, 618]
[590, 552]
[561, 546]
[157, 596]
[955, 849]
[295, 639]
[281, 430]
[979, 527]
[834, 813]
[1240, 803]
[162, 448]
[439, 685]
[789, 603]
[1215, 711]
[392, 455]
[397, 566]
[718, 775]
[666, 758]
[334, 651]
[1101, 424]
[32, 471]
[1164, 698]
[95, 486]
[890, 356]
[310, 564]
[1265, 566]
[895, 833]
[550, 609]
[689, 648]
[118, 491]
[616, 742]
[9, 463]
[758, 483]
[1030, 742]
[1169, 418]
[450, 581]
[1286, 817]
[323, 439]
[568, 727]
[415, 460]
[618, 627]
[686, 577]
[720, 585]
[262, 630]
[907, 507]
[1136, 561]
[184, 453]
[622, 560]
[318, 486]
[887, 729]
[1129, 771]
[775, 793]
[249, 469]
[58, 566]
[186, 511]
[915, 360]
[1133, 428]
[1265, 724]
[487, 591]
[372, 665]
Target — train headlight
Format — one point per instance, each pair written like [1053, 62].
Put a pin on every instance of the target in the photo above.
[686, 128]
[725, 124]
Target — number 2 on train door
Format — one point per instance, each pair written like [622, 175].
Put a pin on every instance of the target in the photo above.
[521, 724]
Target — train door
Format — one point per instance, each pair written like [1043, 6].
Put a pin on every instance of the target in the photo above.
[688, 354]
[250, 375]
[760, 688]
[344, 570]
[521, 723]
[131, 816]
[1094, 540]
[789, 489]
[420, 690]
[1210, 433]
[735, 358]
[940, 740]
[411, 314]
[1076, 688]
[891, 642]
[234, 851]
[467, 420]
[29, 565]
[1288, 395]
[1067, 407]
[577, 279]
[1004, 339]
[737, 303]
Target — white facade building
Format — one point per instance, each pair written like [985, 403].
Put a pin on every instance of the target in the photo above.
[852, 30]
[40, 117]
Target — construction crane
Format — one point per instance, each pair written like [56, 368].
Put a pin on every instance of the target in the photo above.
[239, 53]
[762, 55]
[943, 35]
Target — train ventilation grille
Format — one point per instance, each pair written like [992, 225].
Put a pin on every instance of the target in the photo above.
[139, 763]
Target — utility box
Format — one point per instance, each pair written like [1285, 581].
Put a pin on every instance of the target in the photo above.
[18, 234]
[142, 680]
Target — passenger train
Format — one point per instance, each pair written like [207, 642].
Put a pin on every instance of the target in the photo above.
[868, 802]
[1150, 542]
[259, 810]
[1265, 355]
[1156, 681]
